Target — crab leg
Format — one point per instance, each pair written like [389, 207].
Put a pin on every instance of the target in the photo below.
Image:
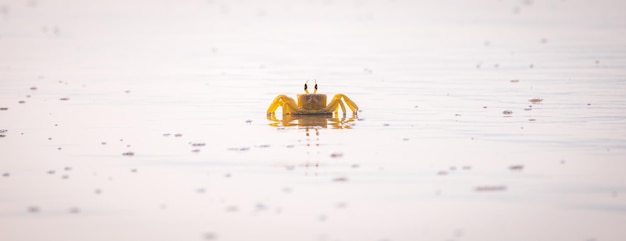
[334, 104]
[286, 102]
[337, 102]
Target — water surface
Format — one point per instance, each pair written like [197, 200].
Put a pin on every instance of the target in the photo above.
[145, 120]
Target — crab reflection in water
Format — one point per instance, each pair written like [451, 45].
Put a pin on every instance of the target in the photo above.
[323, 121]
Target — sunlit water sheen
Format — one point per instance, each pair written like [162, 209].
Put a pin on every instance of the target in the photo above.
[145, 120]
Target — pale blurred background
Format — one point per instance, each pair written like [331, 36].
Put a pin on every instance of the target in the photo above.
[480, 120]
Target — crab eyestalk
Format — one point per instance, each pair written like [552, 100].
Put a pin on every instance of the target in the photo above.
[315, 91]
[306, 88]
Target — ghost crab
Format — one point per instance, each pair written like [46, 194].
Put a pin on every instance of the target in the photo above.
[311, 104]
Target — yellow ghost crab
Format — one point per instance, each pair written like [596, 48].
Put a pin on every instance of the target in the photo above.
[312, 104]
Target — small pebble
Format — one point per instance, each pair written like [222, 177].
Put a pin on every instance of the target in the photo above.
[535, 100]
[507, 112]
[74, 210]
[336, 155]
[33, 209]
[129, 153]
[516, 167]
[209, 236]
[490, 188]
[64, 99]
[232, 209]
[340, 179]
[198, 144]
[4, 108]
[6, 174]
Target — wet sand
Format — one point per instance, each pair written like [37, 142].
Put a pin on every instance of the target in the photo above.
[145, 120]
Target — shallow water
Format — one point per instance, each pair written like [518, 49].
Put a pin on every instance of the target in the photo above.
[489, 120]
